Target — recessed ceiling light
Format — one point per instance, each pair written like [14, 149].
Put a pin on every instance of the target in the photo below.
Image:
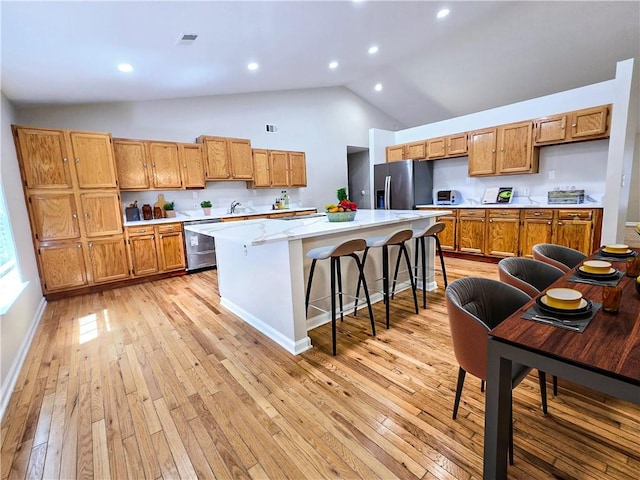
[373, 50]
[443, 13]
[125, 67]
[378, 87]
[333, 65]
[252, 66]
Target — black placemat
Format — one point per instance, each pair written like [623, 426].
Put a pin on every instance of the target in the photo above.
[577, 324]
[614, 258]
[577, 278]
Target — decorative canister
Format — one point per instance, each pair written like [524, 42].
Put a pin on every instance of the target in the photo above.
[147, 212]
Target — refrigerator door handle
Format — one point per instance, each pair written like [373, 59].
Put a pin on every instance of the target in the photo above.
[387, 192]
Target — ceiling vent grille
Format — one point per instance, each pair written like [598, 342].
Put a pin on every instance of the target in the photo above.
[187, 39]
[270, 128]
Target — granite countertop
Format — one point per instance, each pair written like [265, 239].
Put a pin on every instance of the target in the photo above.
[216, 214]
[261, 231]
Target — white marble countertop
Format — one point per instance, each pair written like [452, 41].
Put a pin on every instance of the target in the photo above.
[259, 232]
[535, 204]
[216, 214]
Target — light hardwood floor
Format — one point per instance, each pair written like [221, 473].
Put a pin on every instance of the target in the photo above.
[157, 381]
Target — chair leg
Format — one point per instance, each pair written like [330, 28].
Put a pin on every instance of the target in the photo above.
[542, 377]
[355, 304]
[456, 403]
[340, 288]
[333, 304]
[511, 434]
[555, 386]
[444, 271]
[366, 292]
[482, 385]
[403, 249]
[306, 300]
[395, 276]
[385, 281]
[423, 251]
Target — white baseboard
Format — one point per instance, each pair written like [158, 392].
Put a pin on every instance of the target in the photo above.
[631, 224]
[12, 375]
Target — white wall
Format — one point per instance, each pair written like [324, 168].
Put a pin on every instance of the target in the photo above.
[320, 122]
[18, 323]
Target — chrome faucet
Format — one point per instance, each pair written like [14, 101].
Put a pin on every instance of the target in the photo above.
[234, 204]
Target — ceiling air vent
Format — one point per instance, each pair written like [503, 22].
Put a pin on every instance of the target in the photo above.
[187, 39]
[270, 128]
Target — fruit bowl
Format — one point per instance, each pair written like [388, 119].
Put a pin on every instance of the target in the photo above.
[638, 285]
[341, 216]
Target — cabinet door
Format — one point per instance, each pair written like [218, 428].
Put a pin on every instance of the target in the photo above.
[108, 257]
[456, 145]
[62, 266]
[436, 148]
[503, 233]
[395, 153]
[471, 231]
[144, 257]
[171, 250]
[93, 159]
[447, 236]
[551, 129]
[54, 216]
[482, 152]
[101, 213]
[43, 157]
[574, 230]
[217, 166]
[279, 163]
[514, 148]
[192, 165]
[416, 150]
[241, 159]
[534, 231]
[297, 169]
[261, 171]
[131, 164]
[165, 166]
[589, 122]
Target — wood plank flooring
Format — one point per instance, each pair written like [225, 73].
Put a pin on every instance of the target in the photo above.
[158, 381]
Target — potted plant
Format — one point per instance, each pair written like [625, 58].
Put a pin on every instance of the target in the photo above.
[206, 207]
[169, 211]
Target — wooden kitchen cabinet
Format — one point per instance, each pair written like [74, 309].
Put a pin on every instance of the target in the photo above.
[503, 232]
[471, 230]
[192, 160]
[156, 248]
[101, 213]
[261, 169]
[227, 158]
[436, 148]
[502, 150]
[62, 266]
[165, 165]
[93, 160]
[579, 125]
[297, 169]
[395, 153]
[574, 229]
[537, 227]
[278, 168]
[447, 236]
[43, 157]
[132, 164]
[482, 152]
[108, 259]
[447, 147]
[54, 216]
[279, 164]
[415, 151]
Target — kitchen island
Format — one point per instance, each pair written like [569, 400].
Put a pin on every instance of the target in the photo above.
[263, 268]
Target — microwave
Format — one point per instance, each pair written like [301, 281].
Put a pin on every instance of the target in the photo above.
[447, 197]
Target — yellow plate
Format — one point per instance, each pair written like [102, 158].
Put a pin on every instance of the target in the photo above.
[563, 298]
[583, 304]
[617, 248]
[608, 272]
[596, 267]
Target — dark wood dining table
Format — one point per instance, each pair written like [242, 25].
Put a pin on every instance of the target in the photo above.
[605, 357]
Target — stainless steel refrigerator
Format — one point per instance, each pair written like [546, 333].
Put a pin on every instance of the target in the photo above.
[403, 185]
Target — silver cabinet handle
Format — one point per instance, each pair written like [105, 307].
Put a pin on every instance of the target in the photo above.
[64, 160]
[86, 215]
[90, 244]
[74, 216]
[77, 160]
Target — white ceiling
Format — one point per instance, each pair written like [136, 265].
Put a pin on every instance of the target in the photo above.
[483, 55]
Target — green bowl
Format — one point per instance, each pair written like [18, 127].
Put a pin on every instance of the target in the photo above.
[341, 216]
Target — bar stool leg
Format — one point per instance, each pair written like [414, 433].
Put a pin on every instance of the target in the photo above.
[385, 281]
[395, 274]
[333, 304]
[366, 291]
[306, 300]
[444, 271]
[423, 250]
[364, 259]
[340, 288]
[403, 249]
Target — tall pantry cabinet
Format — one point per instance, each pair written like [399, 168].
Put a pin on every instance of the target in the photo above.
[71, 190]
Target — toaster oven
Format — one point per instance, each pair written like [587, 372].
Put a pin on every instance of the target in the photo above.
[447, 197]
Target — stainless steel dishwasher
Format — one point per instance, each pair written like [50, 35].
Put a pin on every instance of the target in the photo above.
[200, 249]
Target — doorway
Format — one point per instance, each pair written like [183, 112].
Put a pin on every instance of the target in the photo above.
[359, 176]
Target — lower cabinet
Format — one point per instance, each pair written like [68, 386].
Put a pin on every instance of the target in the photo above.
[62, 266]
[108, 259]
[156, 248]
[510, 232]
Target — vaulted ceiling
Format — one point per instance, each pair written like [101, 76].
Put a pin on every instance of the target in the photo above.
[482, 55]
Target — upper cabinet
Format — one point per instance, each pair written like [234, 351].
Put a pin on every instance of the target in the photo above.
[227, 158]
[431, 149]
[482, 152]
[580, 125]
[407, 151]
[48, 158]
[278, 168]
[155, 165]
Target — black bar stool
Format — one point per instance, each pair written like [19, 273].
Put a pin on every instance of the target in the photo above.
[397, 238]
[334, 252]
[421, 235]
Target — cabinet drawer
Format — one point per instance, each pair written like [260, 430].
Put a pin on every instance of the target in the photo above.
[538, 213]
[472, 212]
[169, 228]
[575, 214]
[135, 231]
[503, 213]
